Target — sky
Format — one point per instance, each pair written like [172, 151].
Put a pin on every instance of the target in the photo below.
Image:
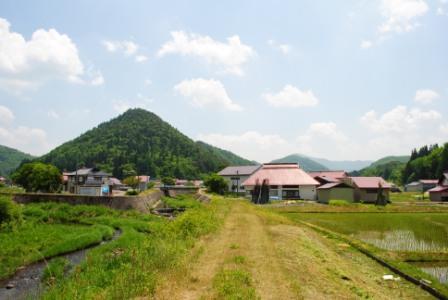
[342, 80]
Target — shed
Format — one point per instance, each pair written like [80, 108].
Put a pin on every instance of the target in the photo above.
[335, 191]
[439, 193]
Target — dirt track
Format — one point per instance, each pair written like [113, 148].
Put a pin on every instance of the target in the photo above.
[285, 261]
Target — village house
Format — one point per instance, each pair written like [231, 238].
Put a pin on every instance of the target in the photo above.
[421, 186]
[2, 180]
[440, 192]
[335, 191]
[143, 181]
[236, 175]
[285, 181]
[324, 177]
[366, 189]
[88, 181]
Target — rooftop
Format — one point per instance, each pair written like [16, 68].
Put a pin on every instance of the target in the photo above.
[332, 185]
[370, 182]
[331, 174]
[238, 170]
[281, 174]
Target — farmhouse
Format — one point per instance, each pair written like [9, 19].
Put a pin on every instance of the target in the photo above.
[88, 181]
[325, 177]
[422, 185]
[366, 189]
[285, 181]
[440, 192]
[236, 175]
[335, 191]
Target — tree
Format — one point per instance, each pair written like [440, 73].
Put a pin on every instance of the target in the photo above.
[128, 170]
[132, 181]
[168, 181]
[216, 184]
[38, 177]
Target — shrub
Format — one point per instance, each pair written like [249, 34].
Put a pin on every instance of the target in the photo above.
[150, 185]
[10, 214]
[339, 202]
[38, 177]
[216, 184]
[131, 192]
[168, 181]
[132, 181]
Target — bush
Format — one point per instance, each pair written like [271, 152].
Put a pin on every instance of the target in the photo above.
[10, 214]
[168, 181]
[339, 202]
[131, 192]
[150, 185]
[216, 184]
[38, 177]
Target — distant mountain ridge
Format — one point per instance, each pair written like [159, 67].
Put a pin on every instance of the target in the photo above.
[309, 163]
[304, 162]
[140, 140]
[10, 159]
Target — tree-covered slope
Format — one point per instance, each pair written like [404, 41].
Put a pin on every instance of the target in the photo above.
[304, 162]
[141, 140]
[390, 170]
[429, 162]
[402, 159]
[226, 155]
[10, 159]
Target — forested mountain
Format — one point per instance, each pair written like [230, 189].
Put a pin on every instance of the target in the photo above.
[390, 170]
[232, 158]
[429, 162]
[10, 159]
[141, 141]
[388, 159]
[304, 162]
[346, 165]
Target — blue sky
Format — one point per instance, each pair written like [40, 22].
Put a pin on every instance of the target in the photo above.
[334, 79]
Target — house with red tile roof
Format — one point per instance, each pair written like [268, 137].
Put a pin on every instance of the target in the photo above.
[440, 192]
[366, 189]
[285, 181]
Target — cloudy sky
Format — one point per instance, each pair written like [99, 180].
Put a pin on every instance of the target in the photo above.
[348, 79]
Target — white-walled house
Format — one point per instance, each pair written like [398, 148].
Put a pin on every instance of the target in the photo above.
[236, 175]
[286, 181]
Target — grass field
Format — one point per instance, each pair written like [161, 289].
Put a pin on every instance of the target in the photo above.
[408, 197]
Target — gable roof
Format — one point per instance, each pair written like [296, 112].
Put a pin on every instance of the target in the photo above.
[429, 181]
[438, 189]
[333, 185]
[331, 174]
[370, 182]
[280, 174]
[238, 170]
[87, 171]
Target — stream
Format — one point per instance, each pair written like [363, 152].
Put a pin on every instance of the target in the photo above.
[26, 282]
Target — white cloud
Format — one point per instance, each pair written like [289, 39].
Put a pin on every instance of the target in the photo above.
[400, 120]
[6, 115]
[26, 64]
[206, 93]
[53, 114]
[141, 58]
[291, 96]
[147, 82]
[31, 140]
[283, 48]
[230, 56]
[127, 47]
[250, 144]
[365, 44]
[425, 96]
[401, 15]
[141, 101]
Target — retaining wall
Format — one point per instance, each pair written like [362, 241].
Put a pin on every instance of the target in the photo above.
[141, 203]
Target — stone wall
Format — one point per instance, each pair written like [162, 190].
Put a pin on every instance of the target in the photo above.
[173, 191]
[141, 203]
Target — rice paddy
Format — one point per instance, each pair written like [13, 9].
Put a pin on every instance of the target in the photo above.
[421, 232]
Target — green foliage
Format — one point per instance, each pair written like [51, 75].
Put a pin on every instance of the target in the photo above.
[139, 140]
[336, 202]
[150, 185]
[216, 184]
[10, 214]
[128, 170]
[38, 177]
[181, 201]
[55, 270]
[389, 170]
[168, 181]
[132, 181]
[10, 159]
[234, 284]
[429, 162]
[132, 192]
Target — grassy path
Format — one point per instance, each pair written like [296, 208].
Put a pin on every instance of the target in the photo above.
[257, 254]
